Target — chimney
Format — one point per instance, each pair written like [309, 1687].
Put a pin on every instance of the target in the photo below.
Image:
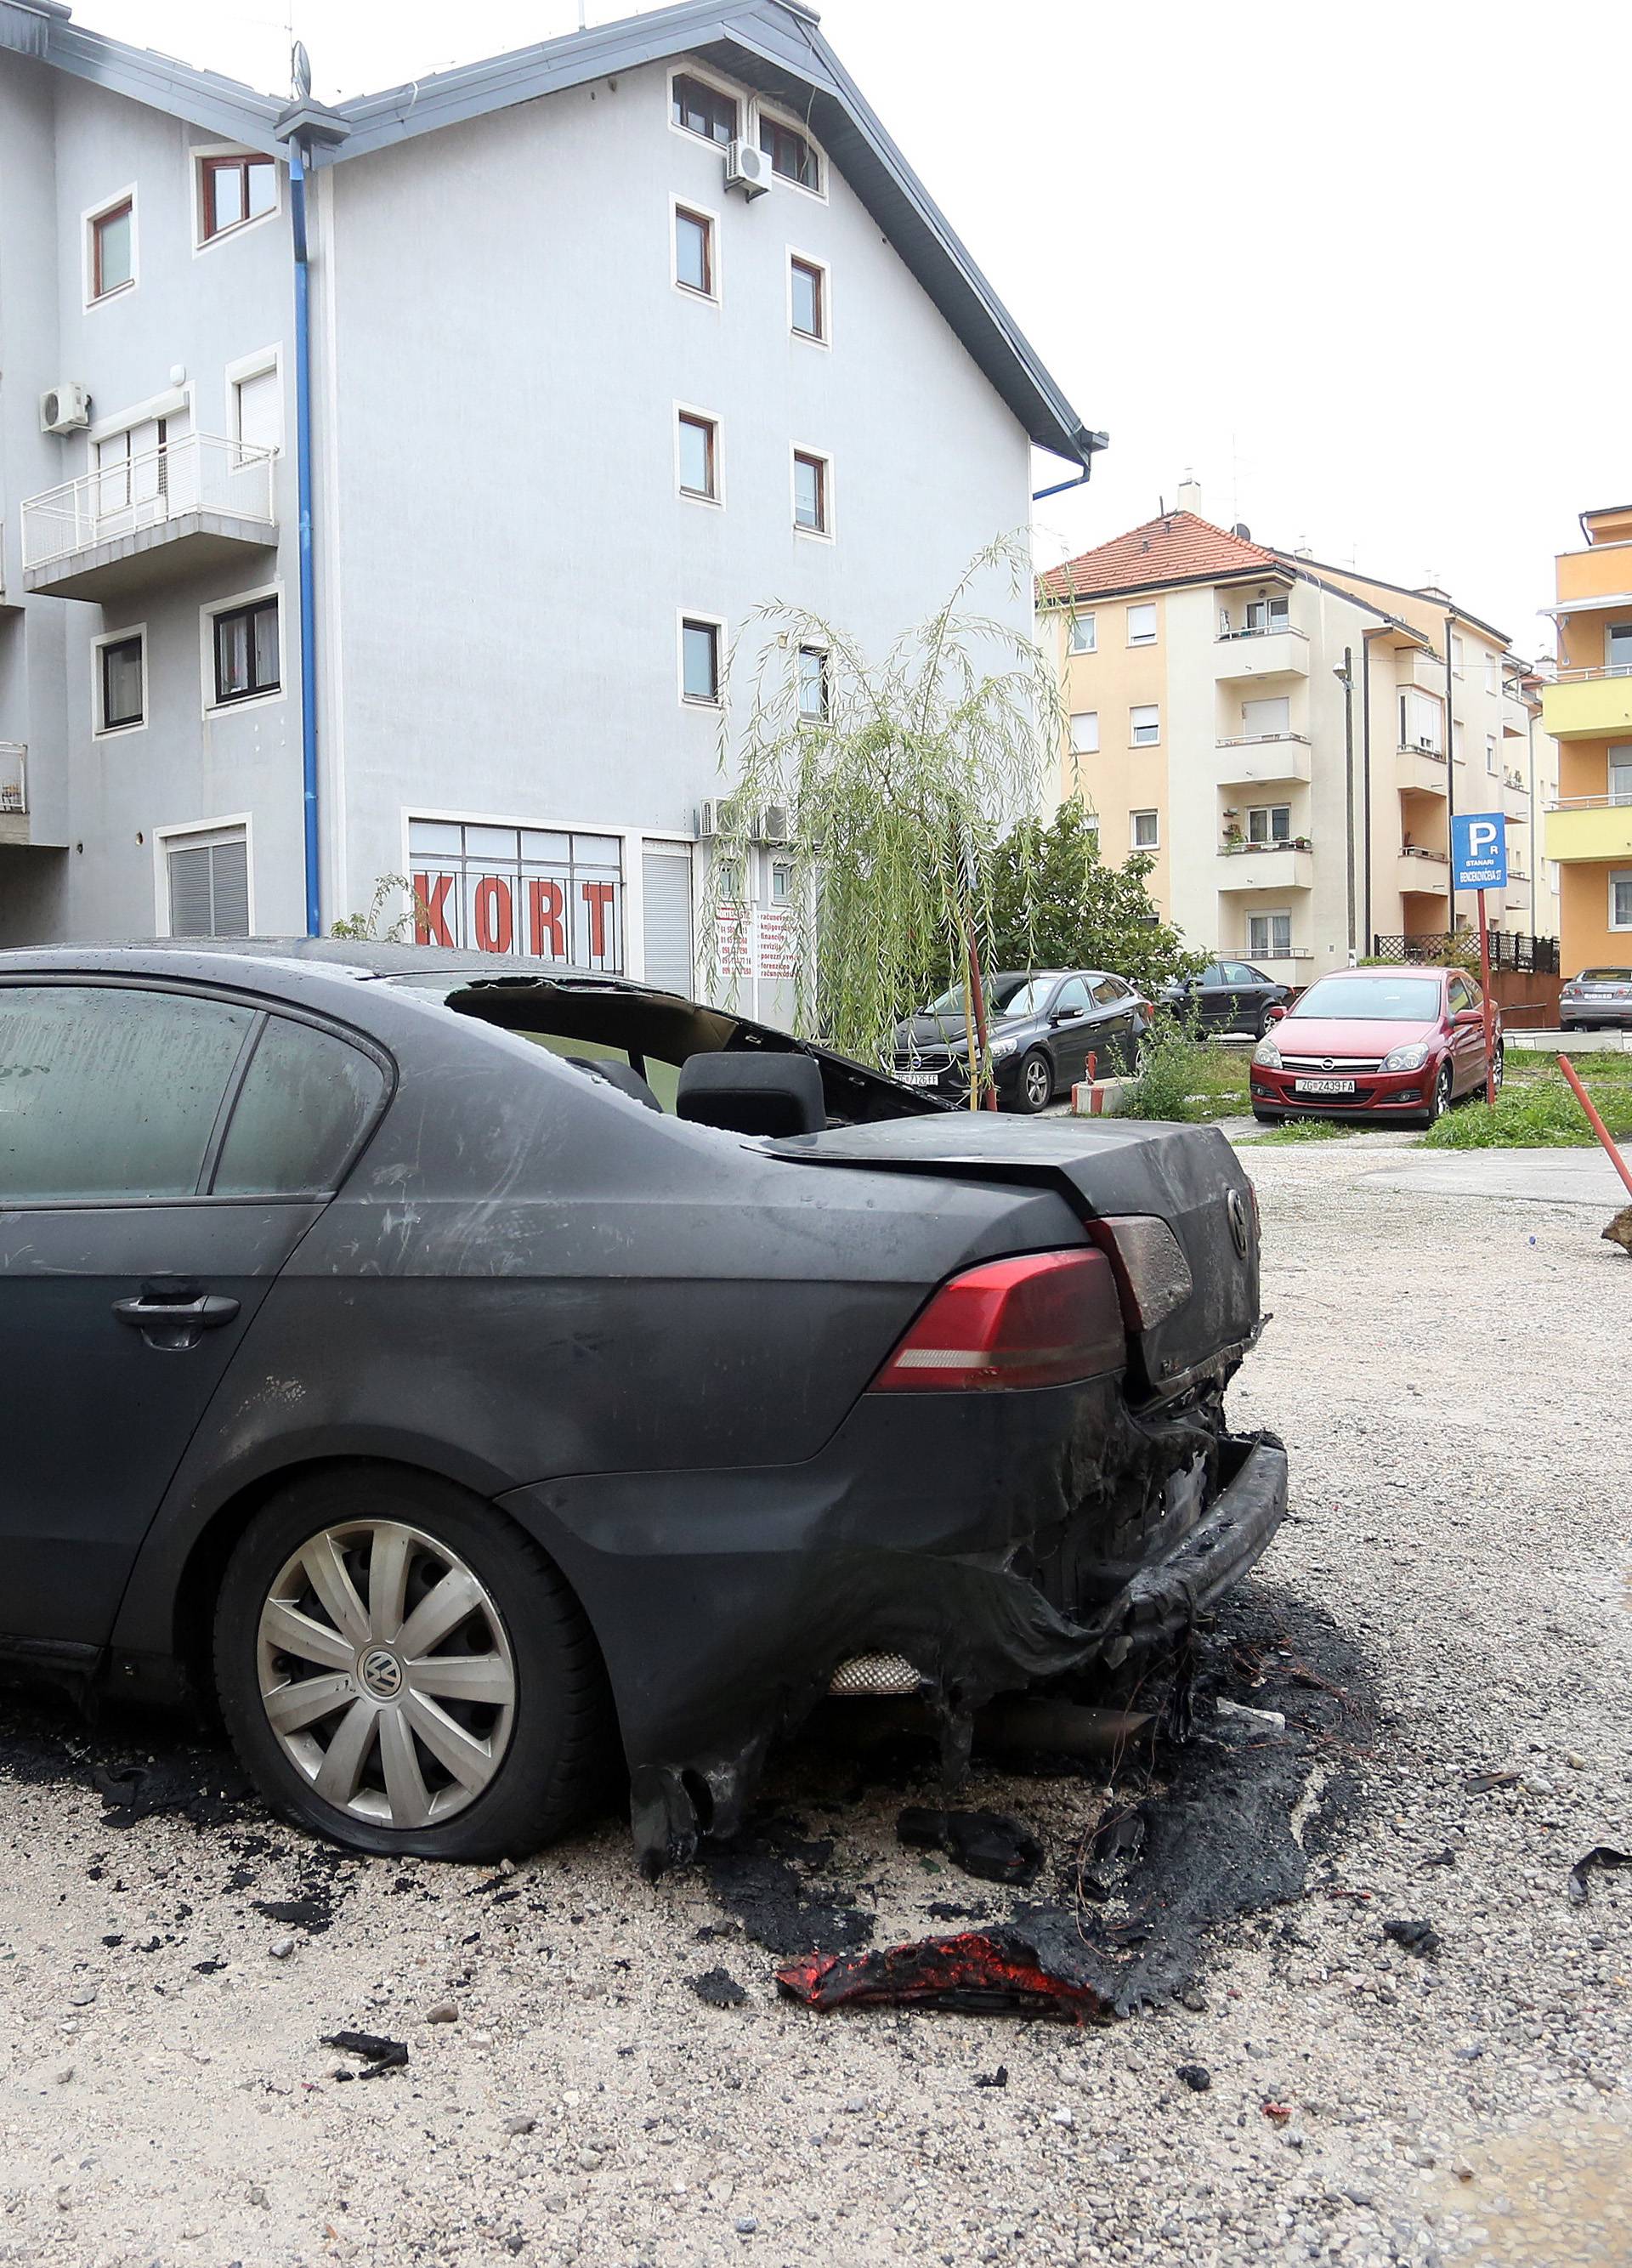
[1189, 496]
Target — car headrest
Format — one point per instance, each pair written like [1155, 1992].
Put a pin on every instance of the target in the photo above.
[747, 1094]
[620, 1075]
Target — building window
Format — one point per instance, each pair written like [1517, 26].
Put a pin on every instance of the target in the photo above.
[700, 660]
[112, 249]
[807, 285]
[1146, 835]
[694, 252]
[121, 682]
[1085, 733]
[1458, 737]
[1490, 754]
[1083, 634]
[1270, 822]
[811, 485]
[704, 109]
[1458, 656]
[541, 890]
[1422, 722]
[1620, 899]
[1145, 725]
[699, 456]
[1619, 773]
[1266, 614]
[1266, 720]
[1142, 625]
[812, 685]
[257, 411]
[234, 191]
[246, 644]
[207, 883]
[781, 882]
[1268, 937]
[791, 154]
[1618, 645]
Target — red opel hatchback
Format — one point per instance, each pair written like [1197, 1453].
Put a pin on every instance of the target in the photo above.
[1375, 1043]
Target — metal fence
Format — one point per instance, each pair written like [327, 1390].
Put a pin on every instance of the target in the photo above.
[1510, 949]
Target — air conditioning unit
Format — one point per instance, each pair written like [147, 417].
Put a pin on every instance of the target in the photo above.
[65, 408]
[748, 169]
[777, 827]
[1428, 748]
[719, 817]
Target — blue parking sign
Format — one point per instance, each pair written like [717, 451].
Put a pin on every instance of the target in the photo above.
[1478, 850]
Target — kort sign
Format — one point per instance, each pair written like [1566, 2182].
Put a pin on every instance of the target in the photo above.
[1478, 850]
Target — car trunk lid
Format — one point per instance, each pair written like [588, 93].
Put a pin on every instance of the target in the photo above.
[1188, 1177]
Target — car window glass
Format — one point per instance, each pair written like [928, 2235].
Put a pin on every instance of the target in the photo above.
[1459, 994]
[108, 1092]
[1109, 990]
[662, 1078]
[1072, 994]
[1236, 972]
[305, 1099]
[1213, 973]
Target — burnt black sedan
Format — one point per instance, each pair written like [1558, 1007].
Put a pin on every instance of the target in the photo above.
[1046, 1026]
[450, 1368]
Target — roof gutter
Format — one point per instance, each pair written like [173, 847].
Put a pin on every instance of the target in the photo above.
[1090, 443]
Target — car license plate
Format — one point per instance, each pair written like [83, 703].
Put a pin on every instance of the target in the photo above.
[919, 1077]
[1323, 1087]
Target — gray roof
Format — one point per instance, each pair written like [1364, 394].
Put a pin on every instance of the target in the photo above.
[773, 46]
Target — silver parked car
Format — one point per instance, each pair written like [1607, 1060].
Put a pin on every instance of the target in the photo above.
[1599, 999]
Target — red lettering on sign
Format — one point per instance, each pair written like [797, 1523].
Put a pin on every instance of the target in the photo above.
[598, 897]
[546, 918]
[431, 910]
[493, 914]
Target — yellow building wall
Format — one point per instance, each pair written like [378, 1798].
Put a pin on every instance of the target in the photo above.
[1119, 779]
[1585, 938]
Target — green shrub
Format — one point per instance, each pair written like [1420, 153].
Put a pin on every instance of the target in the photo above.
[1536, 1114]
[1181, 1076]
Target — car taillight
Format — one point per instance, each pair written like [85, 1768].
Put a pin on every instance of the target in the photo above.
[1041, 1319]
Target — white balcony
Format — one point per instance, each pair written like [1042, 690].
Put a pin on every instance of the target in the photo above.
[1423, 668]
[194, 503]
[1278, 652]
[1424, 771]
[1422, 874]
[1263, 760]
[1277, 867]
[13, 792]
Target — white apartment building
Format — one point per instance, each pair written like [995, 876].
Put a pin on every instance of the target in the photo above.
[568, 360]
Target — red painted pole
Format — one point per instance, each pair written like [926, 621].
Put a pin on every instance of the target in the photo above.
[1489, 1006]
[1595, 1122]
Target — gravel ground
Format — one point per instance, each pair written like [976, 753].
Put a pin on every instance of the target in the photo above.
[1448, 1380]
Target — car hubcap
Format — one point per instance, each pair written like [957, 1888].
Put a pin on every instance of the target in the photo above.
[1036, 1083]
[386, 1673]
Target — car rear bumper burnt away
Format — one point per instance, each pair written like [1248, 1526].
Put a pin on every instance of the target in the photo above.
[994, 1540]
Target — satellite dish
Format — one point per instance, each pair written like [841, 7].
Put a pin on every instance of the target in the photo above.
[1243, 530]
[300, 72]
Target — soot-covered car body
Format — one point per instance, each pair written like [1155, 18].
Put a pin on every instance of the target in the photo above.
[434, 1394]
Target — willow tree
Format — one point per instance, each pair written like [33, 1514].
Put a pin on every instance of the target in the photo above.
[899, 775]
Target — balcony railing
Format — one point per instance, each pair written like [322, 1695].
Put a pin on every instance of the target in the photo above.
[1416, 851]
[202, 474]
[1254, 740]
[1263, 630]
[1422, 748]
[13, 777]
[1592, 676]
[1619, 802]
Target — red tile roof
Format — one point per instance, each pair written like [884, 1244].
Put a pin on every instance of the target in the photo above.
[1178, 548]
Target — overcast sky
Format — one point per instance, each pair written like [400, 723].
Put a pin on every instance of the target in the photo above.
[1362, 267]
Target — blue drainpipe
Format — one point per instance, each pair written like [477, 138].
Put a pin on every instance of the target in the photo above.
[303, 477]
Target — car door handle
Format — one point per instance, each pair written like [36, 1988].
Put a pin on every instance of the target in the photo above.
[169, 1324]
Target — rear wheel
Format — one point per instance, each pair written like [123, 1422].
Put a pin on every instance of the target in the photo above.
[1262, 1029]
[1439, 1101]
[1034, 1085]
[404, 1671]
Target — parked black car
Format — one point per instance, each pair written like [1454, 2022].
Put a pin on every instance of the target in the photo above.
[383, 1358]
[1043, 1024]
[1228, 996]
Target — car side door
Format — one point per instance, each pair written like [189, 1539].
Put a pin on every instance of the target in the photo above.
[137, 1240]
[1068, 1035]
[1467, 1041]
[1251, 992]
[1211, 997]
[1113, 1035]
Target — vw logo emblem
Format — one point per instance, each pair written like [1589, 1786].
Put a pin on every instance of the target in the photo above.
[381, 1673]
[1240, 1226]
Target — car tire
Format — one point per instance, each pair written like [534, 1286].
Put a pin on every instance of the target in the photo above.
[1034, 1082]
[1268, 1118]
[1264, 1025]
[493, 1757]
[1490, 1089]
[1440, 1100]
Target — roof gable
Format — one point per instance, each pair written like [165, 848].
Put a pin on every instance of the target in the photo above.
[773, 46]
[1177, 547]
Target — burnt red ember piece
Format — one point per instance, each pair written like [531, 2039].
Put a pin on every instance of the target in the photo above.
[984, 1972]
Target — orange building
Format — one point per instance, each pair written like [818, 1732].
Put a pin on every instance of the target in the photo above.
[1589, 712]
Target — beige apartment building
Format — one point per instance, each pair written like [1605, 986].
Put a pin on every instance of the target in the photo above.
[1288, 739]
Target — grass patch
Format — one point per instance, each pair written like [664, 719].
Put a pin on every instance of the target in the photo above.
[1185, 1079]
[1308, 1129]
[1537, 1110]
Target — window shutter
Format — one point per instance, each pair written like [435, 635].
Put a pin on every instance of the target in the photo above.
[665, 879]
[189, 893]
[229, 874]
[260, 410]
